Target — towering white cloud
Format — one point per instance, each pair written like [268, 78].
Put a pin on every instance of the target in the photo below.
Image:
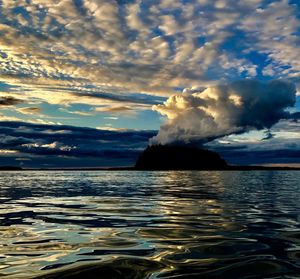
[222, 110]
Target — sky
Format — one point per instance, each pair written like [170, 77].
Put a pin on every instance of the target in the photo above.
[93, 82]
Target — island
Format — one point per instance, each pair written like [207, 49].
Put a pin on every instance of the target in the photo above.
[179, 157]
[9, 168]
[185, 157]
[168, 158]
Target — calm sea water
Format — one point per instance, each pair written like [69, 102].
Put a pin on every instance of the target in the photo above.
[191, 224]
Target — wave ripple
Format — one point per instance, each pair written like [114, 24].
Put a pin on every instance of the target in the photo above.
[119, 224]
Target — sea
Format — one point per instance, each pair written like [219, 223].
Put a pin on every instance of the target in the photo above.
[143, 224]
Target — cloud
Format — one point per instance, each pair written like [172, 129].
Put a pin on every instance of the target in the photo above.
[82, 113]
[67, 146]
[142, 46]
[113, 55]
[272, 151]
[116, 110]
[268, 135]
[41, 145]
[251, 148]
[9, 101]
[223, 110]
[8, 118]
[29, 110]
[274, 27]
[295, 116]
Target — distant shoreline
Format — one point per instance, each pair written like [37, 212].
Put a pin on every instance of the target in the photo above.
[229, 168]
[169, 158]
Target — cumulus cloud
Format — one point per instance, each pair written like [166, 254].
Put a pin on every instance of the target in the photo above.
[223, 110]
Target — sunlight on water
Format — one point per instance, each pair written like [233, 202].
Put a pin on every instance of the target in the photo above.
[150, 224]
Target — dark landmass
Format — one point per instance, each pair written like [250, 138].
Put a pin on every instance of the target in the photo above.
[228, 168]
[10, 168]
[169, 157]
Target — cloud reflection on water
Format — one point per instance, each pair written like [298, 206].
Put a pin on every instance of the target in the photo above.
[149, 224]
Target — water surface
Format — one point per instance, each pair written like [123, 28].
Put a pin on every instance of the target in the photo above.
[119, 224]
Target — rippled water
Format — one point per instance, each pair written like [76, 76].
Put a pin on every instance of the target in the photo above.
[111, 224]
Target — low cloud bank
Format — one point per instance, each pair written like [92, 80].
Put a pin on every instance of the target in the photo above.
[39, 145]
[223, 110]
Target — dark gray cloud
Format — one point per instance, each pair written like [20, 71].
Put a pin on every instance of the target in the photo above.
[295, 116]
[70, 146]
[268, 135]
[128, 98]
[244, 156]
[10, 101]
[272, 149]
